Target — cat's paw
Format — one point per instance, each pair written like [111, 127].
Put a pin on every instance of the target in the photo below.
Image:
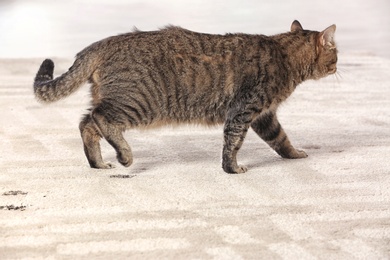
[109, 166]
[294, 154]
[300, 154]
[103, 166]
[125, 159]
[241, 169]
[237, 169]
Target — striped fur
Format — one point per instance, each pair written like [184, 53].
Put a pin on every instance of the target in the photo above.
[173, 75]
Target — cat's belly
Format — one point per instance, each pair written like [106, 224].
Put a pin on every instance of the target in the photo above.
[205, 114]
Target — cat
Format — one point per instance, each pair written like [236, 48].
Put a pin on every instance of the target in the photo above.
[174, 75]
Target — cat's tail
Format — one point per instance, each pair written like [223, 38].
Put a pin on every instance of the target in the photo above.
[47, 89]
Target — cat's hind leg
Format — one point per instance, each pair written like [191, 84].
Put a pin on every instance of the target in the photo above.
[91, 138]
[112, 127]
[269, 129]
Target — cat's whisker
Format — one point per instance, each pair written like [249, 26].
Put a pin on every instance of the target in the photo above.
[341, 72]
[338, 77]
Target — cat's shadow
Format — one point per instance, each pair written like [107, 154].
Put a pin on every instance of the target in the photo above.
[179, 148]
[187, 150]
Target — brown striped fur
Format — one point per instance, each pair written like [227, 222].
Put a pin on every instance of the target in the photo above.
[174, 76]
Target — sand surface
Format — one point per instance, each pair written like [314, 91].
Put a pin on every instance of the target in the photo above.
[175, 202]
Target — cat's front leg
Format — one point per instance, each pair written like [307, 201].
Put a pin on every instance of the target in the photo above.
[235, 129]
[269, 129]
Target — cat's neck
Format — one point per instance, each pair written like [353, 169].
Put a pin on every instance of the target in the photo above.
[300, 56]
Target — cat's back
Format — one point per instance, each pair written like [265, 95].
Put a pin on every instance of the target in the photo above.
[167, 42]
[122, 43]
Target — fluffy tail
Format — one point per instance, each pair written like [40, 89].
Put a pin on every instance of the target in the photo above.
[49, 90]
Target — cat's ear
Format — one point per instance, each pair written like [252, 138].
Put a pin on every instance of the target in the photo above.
[327, 36]
[296, 26]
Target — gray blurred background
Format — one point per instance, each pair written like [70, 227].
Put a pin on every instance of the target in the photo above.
[48, 28]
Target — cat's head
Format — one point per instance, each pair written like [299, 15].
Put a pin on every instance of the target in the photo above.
[324, 52]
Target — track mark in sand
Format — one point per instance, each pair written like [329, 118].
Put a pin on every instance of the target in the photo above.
[311, 147]
[13, 207]
[14, 193]
[122, 176]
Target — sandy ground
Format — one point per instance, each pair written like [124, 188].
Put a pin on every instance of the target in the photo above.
[176, 202]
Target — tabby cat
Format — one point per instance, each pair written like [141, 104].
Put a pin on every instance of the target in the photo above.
[173, 75]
